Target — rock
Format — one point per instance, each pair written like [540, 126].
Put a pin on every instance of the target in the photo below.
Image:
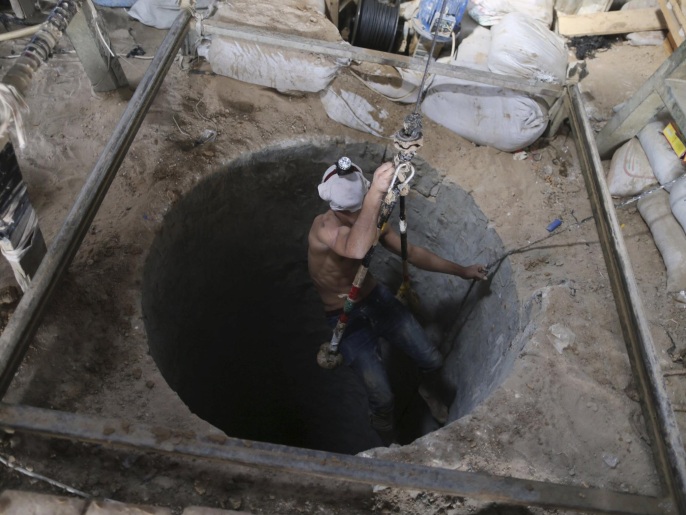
[610, 460]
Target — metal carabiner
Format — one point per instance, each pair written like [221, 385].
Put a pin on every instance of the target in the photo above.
[402, 177]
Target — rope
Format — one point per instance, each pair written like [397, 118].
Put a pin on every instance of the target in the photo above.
[428, 58]
[621, 205]
[407, 142]
[328, 355]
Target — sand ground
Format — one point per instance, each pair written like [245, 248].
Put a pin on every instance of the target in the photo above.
[570, 417]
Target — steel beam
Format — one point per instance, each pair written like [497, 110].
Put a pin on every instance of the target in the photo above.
[91, 40]
[668, 447]
[346, 51]
[217, 447]
[16, 337]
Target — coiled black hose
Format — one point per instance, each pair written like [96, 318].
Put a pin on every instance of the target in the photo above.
[41, 45]
[376, 24]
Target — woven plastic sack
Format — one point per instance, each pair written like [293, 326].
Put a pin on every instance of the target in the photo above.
[491, 12]
[647, 37]
[668, 235]
[524, 47]
[664, 162]
[677, 201]
[630, 172]
[271, 66]
[352, 110]
[486, 115]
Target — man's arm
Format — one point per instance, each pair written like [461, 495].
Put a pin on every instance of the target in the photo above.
[427, 260]
[354, 242]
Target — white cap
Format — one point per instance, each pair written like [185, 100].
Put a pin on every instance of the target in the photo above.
[343, 192]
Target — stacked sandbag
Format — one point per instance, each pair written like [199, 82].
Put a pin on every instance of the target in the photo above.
[493, 116]
[492, 12]
[668, 235]
[677, 201]
[523, 47]
[271, 66]
[352, 110]
[665, 163]
[630, 172]
[648, 37]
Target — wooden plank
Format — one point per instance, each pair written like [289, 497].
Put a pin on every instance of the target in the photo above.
[675, 29]
[613, 22]
[332, 8]
[676, 9]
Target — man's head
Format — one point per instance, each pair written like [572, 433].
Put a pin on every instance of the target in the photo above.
[343, 186]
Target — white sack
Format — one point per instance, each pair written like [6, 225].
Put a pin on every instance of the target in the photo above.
[664, 162]
[394, 83]
[522, 46]
[677, 201]
[279, 68]
[160, 13]
[473, 51]
[486, 115]
[668, 235]
[490, 12]
[630, 172]
[648, 37]
[352, 110]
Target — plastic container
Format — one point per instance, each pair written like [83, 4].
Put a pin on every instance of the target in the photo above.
[115, 3]
[429, 13]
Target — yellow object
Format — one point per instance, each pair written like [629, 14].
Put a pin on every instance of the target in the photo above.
[675, 141]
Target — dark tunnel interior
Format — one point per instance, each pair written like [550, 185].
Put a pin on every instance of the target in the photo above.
[234, 323]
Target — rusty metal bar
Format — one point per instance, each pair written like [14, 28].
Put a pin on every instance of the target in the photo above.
[346, 51]
[17, 335]
[217, 447]
[668, 447]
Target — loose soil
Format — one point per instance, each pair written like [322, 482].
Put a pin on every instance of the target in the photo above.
[569, 416]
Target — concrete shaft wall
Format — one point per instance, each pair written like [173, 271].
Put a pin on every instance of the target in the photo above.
[234, 322]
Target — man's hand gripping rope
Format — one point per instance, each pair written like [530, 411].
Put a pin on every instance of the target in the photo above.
[329, 356]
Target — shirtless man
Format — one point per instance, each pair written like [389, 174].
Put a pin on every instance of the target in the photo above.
[338, 240]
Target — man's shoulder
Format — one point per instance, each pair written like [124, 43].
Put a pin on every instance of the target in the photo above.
[322, 226]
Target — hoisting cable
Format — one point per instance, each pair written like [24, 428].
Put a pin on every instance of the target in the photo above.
[407, 142]
[495, 264]
[621, 205]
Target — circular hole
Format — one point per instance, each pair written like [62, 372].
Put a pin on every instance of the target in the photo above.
[234, 323]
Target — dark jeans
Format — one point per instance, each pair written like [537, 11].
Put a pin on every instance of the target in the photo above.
[381, 315]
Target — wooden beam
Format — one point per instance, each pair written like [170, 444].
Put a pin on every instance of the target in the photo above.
[332, 7]
[676, 31]
[613, 22]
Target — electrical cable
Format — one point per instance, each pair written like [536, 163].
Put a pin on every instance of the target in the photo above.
[376, 25]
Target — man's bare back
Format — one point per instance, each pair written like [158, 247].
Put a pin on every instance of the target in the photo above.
[338, 240]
